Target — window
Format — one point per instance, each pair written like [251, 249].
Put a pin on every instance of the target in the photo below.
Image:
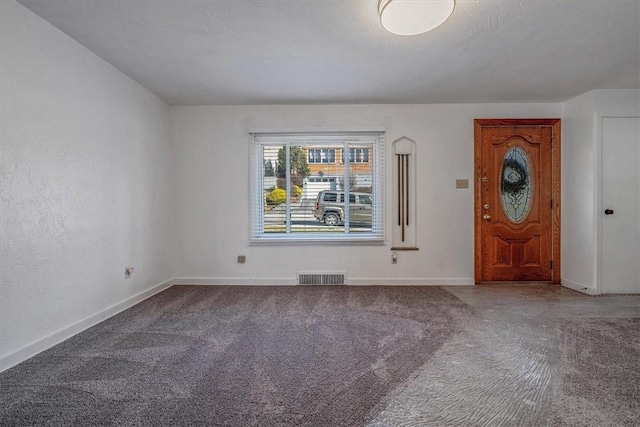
[316, 155]
[357, 155]
[321, 179]
[298, 190]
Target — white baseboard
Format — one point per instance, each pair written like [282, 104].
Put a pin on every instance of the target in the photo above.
[419, 281]
[576, 286]
[237, 281]
[44, 343]
[462, 281]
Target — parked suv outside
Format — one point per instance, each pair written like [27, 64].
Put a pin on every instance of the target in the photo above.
[330, 207]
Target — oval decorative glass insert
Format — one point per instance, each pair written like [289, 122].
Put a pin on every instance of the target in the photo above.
[516, 187]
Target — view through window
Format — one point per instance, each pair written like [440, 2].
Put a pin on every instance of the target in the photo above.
[305, 188]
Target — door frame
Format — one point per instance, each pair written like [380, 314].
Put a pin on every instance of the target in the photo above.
[555, 125]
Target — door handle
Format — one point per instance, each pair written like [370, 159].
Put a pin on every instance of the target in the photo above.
[486, 216]
[608, 211]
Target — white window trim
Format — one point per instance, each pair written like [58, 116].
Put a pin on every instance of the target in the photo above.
[256, 215]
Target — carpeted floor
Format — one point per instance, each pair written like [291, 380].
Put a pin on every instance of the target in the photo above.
[237, 356]
[342, 356]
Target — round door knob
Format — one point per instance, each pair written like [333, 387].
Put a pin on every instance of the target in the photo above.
[608, 211]
[486, 216]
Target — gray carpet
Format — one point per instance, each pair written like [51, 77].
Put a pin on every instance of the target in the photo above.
[533, 355]
[237, 356]
[491, 355]
[601, 376]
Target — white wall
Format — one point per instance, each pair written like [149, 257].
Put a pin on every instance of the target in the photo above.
[581, 166]
[578, 163]
[86, 187]
[212, 215]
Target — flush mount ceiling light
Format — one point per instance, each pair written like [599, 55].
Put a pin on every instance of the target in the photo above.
[411, 17]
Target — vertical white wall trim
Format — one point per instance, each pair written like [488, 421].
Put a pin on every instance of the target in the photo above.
[597, 194]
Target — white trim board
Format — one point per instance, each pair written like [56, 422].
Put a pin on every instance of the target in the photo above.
[589, 290]
[44, 343]
[417, 281]
[235, 281]
[287, 281]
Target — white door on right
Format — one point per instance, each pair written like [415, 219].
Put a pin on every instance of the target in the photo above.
[620, 205]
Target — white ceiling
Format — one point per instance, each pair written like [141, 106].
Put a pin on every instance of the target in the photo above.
[219, 52]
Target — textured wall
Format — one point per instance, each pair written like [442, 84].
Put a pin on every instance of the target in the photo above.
[85, 190]
[212, 213]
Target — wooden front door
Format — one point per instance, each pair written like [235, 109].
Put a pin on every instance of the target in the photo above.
[517, 203]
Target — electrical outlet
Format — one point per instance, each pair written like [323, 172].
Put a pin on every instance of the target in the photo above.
[462, 183]
[394, 258]
[242, 259]
[128, 271]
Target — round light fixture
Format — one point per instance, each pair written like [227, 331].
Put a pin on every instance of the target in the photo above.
[411, 17]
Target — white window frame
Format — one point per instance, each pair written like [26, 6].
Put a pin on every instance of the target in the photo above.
[259, 140]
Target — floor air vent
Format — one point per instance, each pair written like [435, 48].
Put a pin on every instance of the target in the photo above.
[322, 278]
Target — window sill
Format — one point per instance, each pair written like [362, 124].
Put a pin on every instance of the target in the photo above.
[330, 240]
